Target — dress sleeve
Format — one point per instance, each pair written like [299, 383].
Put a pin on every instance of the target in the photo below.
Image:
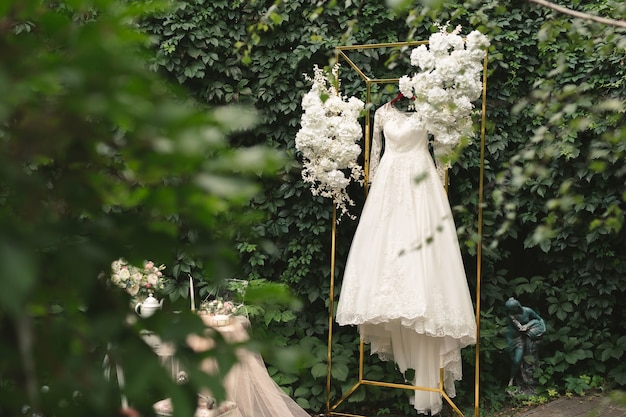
[442, 153]
[376, 143]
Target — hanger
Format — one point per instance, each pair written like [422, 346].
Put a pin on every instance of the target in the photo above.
[398, 97]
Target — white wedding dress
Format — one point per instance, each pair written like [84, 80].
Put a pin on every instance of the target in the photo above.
[404, 283]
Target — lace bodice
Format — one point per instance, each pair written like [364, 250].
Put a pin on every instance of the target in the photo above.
[403, 133]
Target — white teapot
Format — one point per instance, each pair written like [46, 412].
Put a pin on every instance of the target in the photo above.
[149, 306]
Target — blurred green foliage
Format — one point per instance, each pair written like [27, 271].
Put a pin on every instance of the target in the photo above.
[103, 158]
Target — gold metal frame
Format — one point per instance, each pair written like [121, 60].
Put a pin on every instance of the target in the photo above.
[330, 409]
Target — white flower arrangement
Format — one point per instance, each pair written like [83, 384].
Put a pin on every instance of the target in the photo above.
[328, 139]
[447, 83]
[218, 306]
[138, 282]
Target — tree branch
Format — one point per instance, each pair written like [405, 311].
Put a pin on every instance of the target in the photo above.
[581, 15]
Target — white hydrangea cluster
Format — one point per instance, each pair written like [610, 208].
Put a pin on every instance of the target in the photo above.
[447, 83]
[328, 139]
[219, 306]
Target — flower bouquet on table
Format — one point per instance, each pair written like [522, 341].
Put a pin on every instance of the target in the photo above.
[141, 283]
[221, 309]
[328, 139]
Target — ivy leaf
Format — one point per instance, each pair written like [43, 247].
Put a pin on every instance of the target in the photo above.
[319, 370]
[340, 372]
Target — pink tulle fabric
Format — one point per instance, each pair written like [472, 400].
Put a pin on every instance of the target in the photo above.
[248, 383]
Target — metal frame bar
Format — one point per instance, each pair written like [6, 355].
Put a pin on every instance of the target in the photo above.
[330, 409]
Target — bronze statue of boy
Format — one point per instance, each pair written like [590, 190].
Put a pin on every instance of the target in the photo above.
[523, 334]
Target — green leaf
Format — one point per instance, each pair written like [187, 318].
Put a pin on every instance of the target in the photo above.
[303, 403]
[319, 370]
[340, 372]
[18, 272]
